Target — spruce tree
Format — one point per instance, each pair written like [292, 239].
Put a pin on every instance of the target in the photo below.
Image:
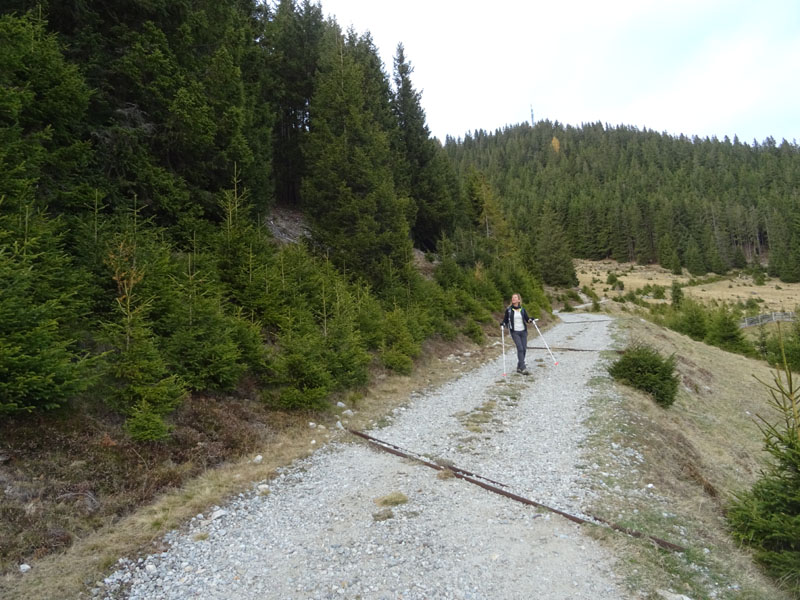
[668, 255]
[43, 142]
[767, 517]
[293, 40]
[553, 255]
[200, 344]
[693, 320]
[420, 171]
[139, 385]
[694, 259]
[724, 332]
[790, 267]
[349, 191]
[676, 294]
[40, 365]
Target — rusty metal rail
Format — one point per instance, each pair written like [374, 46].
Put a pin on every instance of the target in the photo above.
[590, 321]
[496, 487]
[562, 349]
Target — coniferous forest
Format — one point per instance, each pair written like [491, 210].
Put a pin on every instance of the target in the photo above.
[618, 192]
[144, 146]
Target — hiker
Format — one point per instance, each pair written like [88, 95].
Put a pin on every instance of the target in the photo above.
[517, 319]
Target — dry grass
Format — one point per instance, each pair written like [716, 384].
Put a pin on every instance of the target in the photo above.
[671, 472]
[69, 572]
[476, 420]
[383, 515]
[633, 275]
[66, 575]
[776, 296]
[393, 499]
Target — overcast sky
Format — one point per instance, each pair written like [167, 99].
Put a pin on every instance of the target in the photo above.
[698, 67]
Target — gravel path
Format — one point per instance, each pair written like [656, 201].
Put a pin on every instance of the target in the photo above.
[319, 533]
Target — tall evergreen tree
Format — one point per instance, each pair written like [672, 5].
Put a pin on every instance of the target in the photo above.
[43, 142]
[789, 270]
[349, 188]
[553, 254]
[694, 259]
[668, 255]
[295, 37]
[420, 171]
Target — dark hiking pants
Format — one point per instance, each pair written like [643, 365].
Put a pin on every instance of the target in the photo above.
[521, 341]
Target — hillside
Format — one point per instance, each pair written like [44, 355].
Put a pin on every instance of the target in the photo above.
[219, 220]
[154, 326]
[707, 205]
[667, 473]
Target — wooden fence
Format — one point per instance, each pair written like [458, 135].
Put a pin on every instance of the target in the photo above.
[766, 318]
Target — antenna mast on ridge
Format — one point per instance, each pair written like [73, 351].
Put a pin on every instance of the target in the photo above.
[532, 121]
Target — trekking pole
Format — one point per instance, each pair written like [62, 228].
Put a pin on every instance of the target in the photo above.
[503, 335]
[545, 343]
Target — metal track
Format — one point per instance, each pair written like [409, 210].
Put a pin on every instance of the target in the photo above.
[492, 486]
[592, 321]
[561, 349]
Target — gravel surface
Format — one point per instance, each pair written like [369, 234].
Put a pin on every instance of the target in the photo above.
[318, 531]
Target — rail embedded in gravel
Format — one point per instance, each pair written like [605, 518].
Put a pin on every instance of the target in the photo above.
[481, 481]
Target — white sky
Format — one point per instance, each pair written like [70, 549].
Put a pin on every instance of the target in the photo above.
[698, 67]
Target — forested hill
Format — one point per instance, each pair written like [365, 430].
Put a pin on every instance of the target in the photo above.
[635, 195]
[143, 144]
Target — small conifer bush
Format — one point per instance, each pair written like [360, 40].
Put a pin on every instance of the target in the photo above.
[767, 517]
[473, 331]
[645, 369]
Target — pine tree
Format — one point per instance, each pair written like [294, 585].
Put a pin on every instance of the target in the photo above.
[40, 366]
[694, 259]
[45, 99]
[767, 517]
[790, 267]
[349, 190]
[200, 344]
[668, 255]
[421, 170]
[138, 383]
[553, 255]
[492, 229]
[693, 320]
[723, 331]
[295, 37]
[676, 294]
[738, 261]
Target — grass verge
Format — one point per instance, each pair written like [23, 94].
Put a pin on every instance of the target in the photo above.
[670, 472]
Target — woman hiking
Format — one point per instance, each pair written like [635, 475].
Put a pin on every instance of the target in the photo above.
[516, 319]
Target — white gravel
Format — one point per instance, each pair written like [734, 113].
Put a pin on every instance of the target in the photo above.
[315, 534]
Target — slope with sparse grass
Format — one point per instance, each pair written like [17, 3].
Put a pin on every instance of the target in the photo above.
[771, 295]
[672, 472]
